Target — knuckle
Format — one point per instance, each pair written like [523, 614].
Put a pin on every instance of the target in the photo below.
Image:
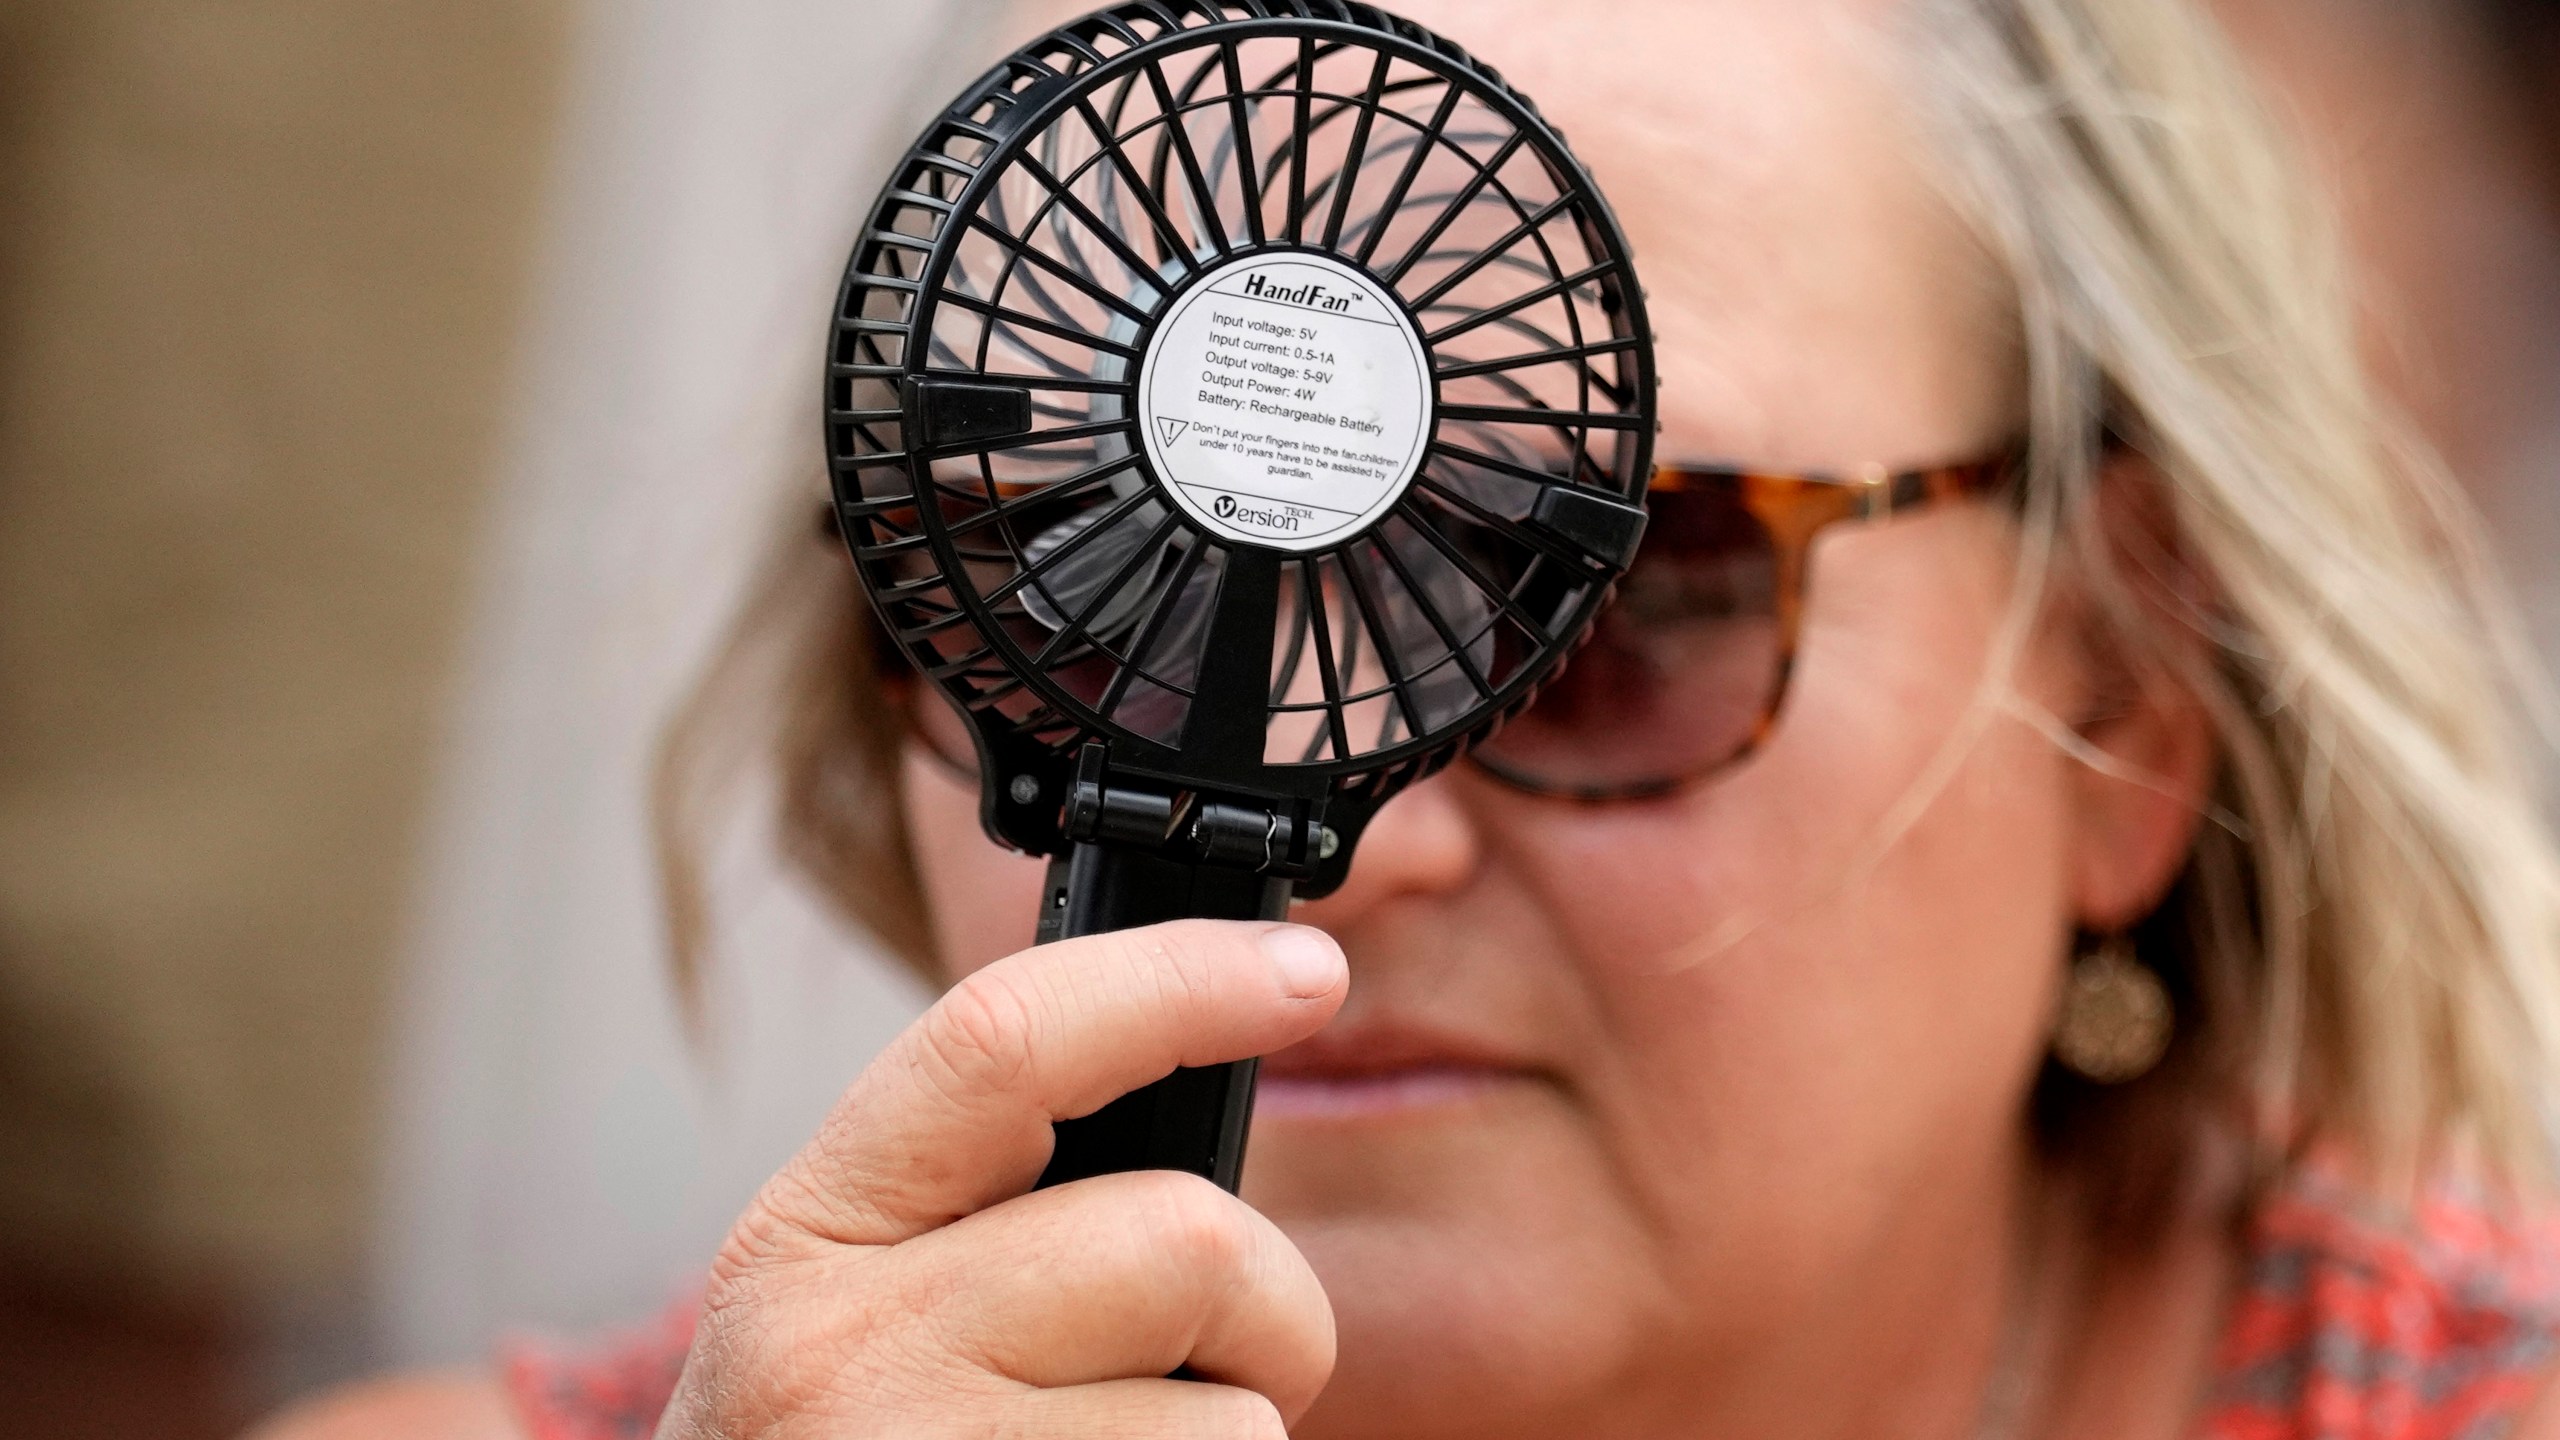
[777, 1229]
[977, 1037]
[1208, 1230]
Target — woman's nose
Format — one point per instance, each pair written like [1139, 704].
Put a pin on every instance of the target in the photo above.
[1424, 842]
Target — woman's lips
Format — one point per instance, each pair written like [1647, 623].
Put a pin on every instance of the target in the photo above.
[1379, 1093]
[1369, 1072]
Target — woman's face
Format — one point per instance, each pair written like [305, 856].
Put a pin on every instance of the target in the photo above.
[1632, 1102]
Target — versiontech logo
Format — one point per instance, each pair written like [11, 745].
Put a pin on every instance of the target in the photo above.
[1265, 519]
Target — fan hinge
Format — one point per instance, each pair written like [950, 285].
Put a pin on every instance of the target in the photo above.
[1603, 530]
[956, 415]
[1280, 838]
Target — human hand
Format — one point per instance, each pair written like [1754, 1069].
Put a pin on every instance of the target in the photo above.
[899, 1277]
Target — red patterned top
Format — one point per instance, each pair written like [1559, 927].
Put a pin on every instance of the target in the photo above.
[2349, 1325]
[2353, 1325]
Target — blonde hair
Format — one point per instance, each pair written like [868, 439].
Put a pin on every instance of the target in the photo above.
[2363, 944]
[2370, 932]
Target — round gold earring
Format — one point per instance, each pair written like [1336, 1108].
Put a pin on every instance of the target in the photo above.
[2116, 1017]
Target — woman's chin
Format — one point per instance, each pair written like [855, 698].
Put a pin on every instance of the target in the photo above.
[1481, 1266]
[1459, 1331]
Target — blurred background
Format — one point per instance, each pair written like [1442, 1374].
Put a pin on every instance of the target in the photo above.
[392, 398]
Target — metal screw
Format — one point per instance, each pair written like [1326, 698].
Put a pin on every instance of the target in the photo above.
[1024, 789]
[1328, 842]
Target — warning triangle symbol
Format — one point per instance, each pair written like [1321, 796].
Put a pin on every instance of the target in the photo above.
[1170, 430]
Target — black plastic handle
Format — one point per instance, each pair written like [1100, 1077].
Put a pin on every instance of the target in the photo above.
[1194, 1120]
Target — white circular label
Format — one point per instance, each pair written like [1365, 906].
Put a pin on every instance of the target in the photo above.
[1285, 401]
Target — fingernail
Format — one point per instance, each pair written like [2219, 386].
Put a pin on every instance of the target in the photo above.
[1310, 964]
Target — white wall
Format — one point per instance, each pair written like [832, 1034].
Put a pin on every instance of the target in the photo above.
[557, 1157]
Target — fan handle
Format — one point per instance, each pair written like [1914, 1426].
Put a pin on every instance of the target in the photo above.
[1192, 1119]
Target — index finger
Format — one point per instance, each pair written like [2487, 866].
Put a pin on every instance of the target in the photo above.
[954, 1116]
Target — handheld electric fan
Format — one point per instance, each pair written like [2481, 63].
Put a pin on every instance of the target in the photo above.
[1236, 408]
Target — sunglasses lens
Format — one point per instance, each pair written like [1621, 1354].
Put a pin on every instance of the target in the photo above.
[1681, 672]
[1680, 675]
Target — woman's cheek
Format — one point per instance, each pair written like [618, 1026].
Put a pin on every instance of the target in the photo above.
[984, 898]
[1665, 886]
[1852, 934]
[1637, 889]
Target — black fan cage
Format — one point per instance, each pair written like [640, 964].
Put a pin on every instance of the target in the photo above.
[1030, 243]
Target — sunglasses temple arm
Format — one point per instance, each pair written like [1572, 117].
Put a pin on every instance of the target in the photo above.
[1193, 1119]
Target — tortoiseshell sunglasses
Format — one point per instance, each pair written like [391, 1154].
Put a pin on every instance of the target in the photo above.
[1686, 670]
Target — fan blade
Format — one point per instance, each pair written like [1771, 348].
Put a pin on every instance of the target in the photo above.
[1068, 587]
